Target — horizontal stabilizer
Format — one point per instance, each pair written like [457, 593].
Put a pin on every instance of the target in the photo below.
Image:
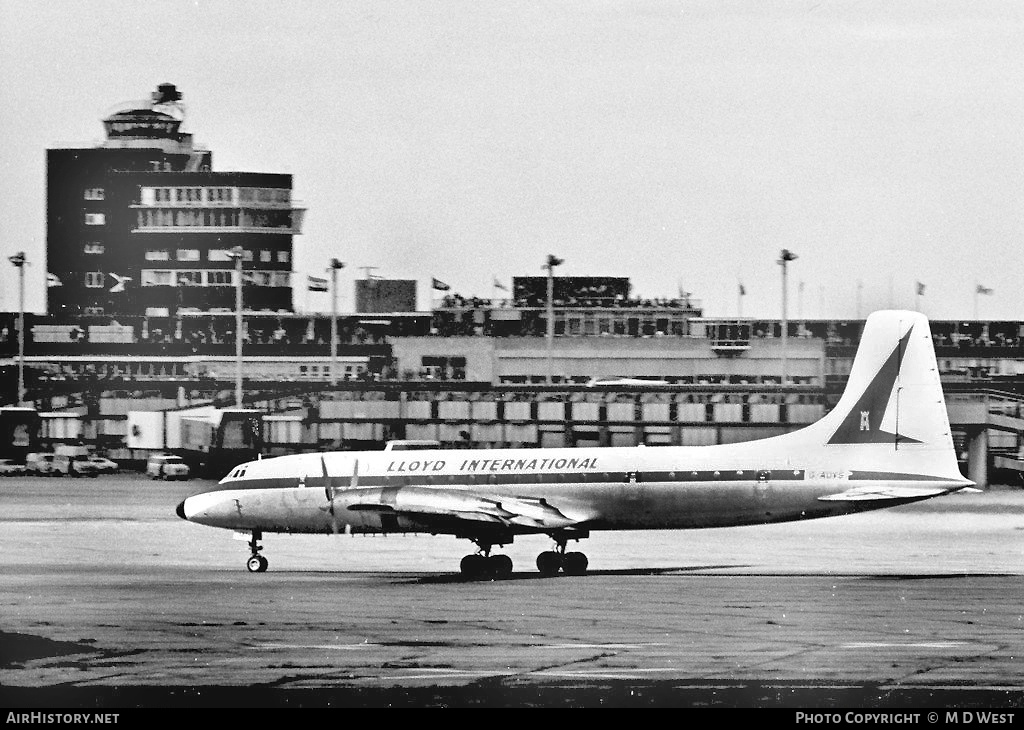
[869, 494]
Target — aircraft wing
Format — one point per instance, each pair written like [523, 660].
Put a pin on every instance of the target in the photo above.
[432, 505]
[881, 493]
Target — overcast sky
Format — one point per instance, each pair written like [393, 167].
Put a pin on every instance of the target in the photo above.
[680, 143]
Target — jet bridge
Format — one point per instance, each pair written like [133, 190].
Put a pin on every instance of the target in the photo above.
[979, 412]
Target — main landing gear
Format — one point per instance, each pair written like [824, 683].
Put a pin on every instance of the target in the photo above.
[485, 565]
[550, 562]
[256, 562]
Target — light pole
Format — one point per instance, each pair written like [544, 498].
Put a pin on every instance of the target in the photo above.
[785, 257]
[237, 253]
[19, 260]
[334, 266]
[553, 261]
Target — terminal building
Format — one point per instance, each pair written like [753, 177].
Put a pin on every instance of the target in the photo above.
[137, 352]
[476, 372]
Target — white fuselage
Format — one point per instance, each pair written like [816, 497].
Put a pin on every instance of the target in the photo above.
[631, 488]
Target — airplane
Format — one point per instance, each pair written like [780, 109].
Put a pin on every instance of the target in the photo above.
[620, 381]
[887, 442]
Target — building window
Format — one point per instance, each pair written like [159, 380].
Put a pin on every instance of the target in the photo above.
[218, 195]
[94, 279]
[188, 195]
[93, 310]
[246, 255]
[94, 247]
[156, 278]
[218, 254]
[188, 254]
[258, 278]
[158, 254]
[282, 257]
[265, 256]
[220, 278]
[190, 278]
[95, 219]
[94, 194]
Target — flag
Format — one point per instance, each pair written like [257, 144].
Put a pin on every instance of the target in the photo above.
[317, 283]
[52, 280]
[121, 281]
[743, 290]
[440, 285]
[920, 289]
[983, 289]
[499, 285]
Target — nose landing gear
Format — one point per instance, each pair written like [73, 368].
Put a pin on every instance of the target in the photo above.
[256, 562]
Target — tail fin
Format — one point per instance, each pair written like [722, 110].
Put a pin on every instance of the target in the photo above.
[893, 412]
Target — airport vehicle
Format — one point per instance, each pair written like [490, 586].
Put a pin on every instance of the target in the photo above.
[887, 442]
[102, 464]
[11, 468]
[166, 466]
[40, 463]
[73, 465]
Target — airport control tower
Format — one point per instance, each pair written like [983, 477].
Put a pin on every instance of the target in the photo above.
[142, 225]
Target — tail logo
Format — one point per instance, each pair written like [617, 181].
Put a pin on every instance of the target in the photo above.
[862, 424]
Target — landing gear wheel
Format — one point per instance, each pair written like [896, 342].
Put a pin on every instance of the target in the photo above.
[473, 566]
[574, 563]
[255, 564]
[549, 562]
[500, 566]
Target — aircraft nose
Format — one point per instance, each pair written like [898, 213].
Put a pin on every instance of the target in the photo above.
[181, 510]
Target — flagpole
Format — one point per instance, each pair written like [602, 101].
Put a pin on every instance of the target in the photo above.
[975, 300]
[19, 260]
[334, 266]
[237, 253]
[552, 262]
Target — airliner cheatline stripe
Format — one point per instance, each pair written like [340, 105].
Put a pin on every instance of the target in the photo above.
[718, 476]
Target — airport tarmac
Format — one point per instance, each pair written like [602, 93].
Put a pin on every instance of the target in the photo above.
[109, 600]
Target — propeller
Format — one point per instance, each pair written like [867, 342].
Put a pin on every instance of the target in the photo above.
[330, 490]
[329, 493]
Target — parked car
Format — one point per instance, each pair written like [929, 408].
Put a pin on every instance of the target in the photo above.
[10, 468]
[103, 465]
[40, 463]
[166, 466]
[74, 466]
